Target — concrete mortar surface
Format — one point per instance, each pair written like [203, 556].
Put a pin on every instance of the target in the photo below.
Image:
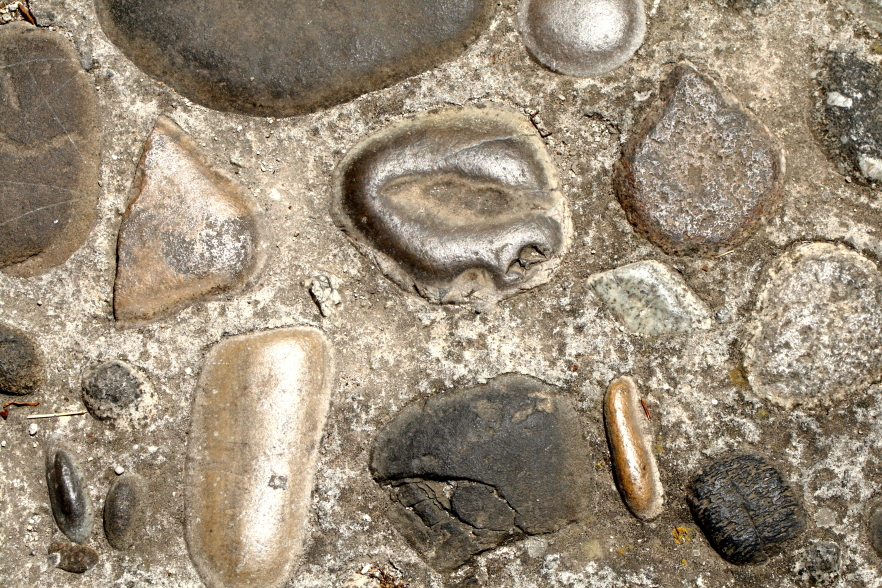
[393, 347]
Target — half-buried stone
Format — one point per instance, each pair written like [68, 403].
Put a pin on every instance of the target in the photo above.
[249, 480]
[70, 557]
[21, 362]
[124, 510]
[816, 333]
[461, 205]
[473, 469]
[48, 150]
[119, 392]
[282, 58]
[700, 172]
[68, 497]
[190, 231]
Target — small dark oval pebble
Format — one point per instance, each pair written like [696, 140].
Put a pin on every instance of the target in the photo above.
[745, 508]
[73, 558]
[70, 503]
[112, 389]
[123, 512]
[21, 362]
[874, 529]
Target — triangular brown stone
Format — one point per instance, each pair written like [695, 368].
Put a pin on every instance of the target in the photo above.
[190, 231]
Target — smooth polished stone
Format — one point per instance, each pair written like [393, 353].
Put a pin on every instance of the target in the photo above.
[649, 298]
[48, 150]
[68, 498]
[629, 436]
[115, 390]
[745, 508]
[190, 231]
[281, 58]
[699, 172]
[70, 557]
[249, 477]
[124, 510]
[460, 205]
[21, 362]
[816, 332]
[510, 454]
[583, 38]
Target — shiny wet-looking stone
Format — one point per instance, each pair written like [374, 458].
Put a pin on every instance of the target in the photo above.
[745, 508]
[816, 332]
[473, 469]
[700, 172]
[190, 231]
[461, 205]
[68, 496]
[649, 298]
[124, 510]
[280, 58]
[249, 478]
[21, 362]
[582, 38]
[48, 150]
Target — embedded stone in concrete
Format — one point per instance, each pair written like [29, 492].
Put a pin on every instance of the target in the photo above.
[816, 333]
[67, 495]
[69, 557]
[460, 205]
[745, 508]
[510, 455]
[124, 510]
[21, 362]
[190, 231]
[700, 171]
[286, 58]
[582, 38]
[649, 298]
[852, 115]
[819, 564]
[48, 150]
[116, 390]
[249, 476]
[874, 529]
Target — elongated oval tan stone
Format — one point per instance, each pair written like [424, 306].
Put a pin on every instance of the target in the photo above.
[257, 419]
[630, 447]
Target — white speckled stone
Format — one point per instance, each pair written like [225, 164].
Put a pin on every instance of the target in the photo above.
[649, 298]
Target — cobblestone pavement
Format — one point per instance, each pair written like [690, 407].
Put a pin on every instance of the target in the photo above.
[381, 294]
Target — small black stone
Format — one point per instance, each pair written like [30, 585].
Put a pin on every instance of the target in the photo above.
[745, 508]
[73, 558]
[874, 529]
[112, 388]
[123, 510]
[70, 503]
[21, 362]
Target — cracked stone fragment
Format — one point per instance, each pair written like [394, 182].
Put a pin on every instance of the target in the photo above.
[853, 115]
[649, 298]
[700, 171]
[73, 558]
[117, 391]
[816, 334]
[67, 496]
[461, 205]
[249, 480]
[190, 231]
[745, 508]
[582, 38]
[21, 362]
[124, 510]
[281, 58]
[510, 456]
[48, 150]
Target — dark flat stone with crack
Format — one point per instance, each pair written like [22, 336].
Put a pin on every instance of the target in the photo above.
[461, 205]
[700, 171]
[67, 496]
[21, 362]
[77, 559]
[745, 508]
[124, 510]
[509, 454]
[282, 58]
[853, 114]
[48, 150]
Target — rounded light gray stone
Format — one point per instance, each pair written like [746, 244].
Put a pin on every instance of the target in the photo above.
[583, 38]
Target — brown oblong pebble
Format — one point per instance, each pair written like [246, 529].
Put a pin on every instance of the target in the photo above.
[123, 510]
[630, 446]
[249, 477]
[70, 557]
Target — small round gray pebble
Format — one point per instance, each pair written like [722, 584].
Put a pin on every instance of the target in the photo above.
[114, 389]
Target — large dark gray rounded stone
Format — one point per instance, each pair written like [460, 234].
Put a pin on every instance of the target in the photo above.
[21, 362]
[287, 57]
